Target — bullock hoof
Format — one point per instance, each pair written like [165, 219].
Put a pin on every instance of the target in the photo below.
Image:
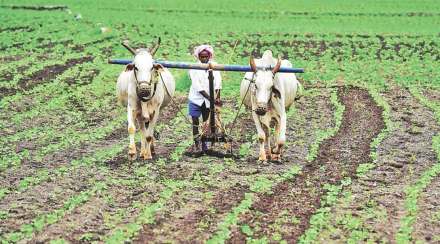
[153, 151]
[262, 159]
[132, 156]
[145, 155]
[276, 158]
[132, 152]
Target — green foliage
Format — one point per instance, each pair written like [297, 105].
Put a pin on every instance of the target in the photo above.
[126, 232]
[58, 241]
[247, 230]
[261, 184]
[321, 218]
[231, 219]
[362, 169]
[412, 194]
[341, 41]
[26, 230]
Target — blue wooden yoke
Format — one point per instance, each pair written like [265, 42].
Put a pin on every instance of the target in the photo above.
[221, 67]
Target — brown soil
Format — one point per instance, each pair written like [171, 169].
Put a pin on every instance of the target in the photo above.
[45, 74]
[191, 218]
[36, 7]
[34, 201]
[11, 177]
[402, 157]
[432, 94]
[272, 14]
[338, 157]
[12, 58]
[427, 224]
[17, 28]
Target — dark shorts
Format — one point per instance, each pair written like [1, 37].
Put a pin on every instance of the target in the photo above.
[195, 110]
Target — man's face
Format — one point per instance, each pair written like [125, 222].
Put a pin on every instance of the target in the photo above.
[204, 57]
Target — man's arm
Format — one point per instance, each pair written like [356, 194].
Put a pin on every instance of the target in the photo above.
[204, 93]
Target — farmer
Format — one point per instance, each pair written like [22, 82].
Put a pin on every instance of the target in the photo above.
[199, 93]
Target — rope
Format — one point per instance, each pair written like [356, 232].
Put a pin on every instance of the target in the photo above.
[172, 99]
[179, 110]
[238, 112]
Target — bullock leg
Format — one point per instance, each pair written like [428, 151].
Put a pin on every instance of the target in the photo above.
[149, 135]
[261, 137]
[282, 132]
[280, 129]
[276, 153]
[131, 118]
[153, 152]
[144, 153]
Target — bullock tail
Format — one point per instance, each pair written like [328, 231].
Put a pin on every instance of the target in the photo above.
[299, 91]
[122, 101]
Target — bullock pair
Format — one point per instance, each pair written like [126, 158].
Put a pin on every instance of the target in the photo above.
[147, 87]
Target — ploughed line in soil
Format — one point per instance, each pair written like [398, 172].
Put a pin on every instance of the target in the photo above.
[60, 90]
[176, 167]
[306, 49]
[77, 114]
[21, 65]
[36, 7]
[195, 216]
[376, 199]
[420, 201]
[72, 128]
[123, 192]
[160, 172]
[269, 14]
[338, 157]
[29, 172]
[30, 42]
[57, 98]
[45, 74]
[426, 225]
[32, 199]
[28, 83]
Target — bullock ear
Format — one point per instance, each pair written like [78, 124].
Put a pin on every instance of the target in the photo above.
[276, 92]
[252, 64]
[129, 67]
[277, 66]
[158, 67]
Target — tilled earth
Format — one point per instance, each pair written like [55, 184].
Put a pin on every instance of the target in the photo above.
[214, 186]
[64, 171]
[378, 198]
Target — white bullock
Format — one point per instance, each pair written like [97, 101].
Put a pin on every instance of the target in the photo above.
[146, 88]
[269, 93]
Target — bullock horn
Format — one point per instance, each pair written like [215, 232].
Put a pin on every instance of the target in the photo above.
[252, 64]
[125, 44]
[277, 66]
[154, 49]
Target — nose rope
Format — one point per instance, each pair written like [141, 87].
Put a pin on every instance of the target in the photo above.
[151, 95]
[253, 93]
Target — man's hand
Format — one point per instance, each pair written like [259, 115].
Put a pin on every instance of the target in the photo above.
[218, 102]
[205, 94]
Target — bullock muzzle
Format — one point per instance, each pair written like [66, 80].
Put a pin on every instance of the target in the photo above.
[144, 91]
[261, 109]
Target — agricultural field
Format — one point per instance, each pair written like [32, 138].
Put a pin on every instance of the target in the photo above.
[362, 160]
